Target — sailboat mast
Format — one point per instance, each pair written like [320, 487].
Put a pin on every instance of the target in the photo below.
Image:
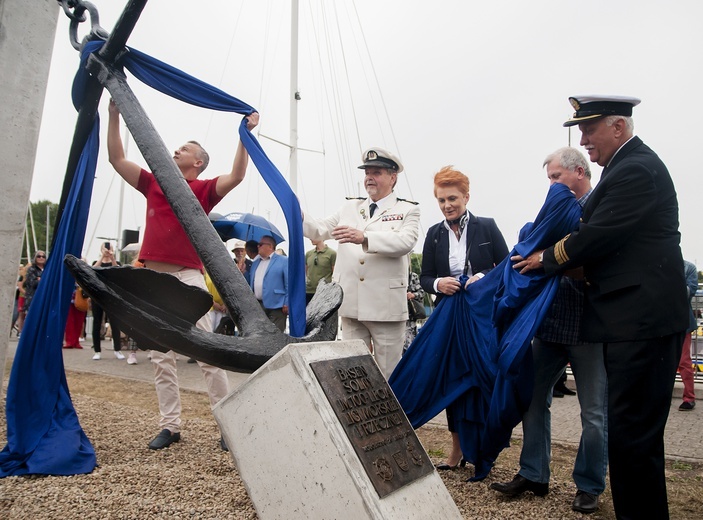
[295, 96]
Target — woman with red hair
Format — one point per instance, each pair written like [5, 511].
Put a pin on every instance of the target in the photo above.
[461, 244]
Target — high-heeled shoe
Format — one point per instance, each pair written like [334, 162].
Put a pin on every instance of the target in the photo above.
[446, 467]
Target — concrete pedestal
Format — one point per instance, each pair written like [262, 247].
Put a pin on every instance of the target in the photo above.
[303, 453]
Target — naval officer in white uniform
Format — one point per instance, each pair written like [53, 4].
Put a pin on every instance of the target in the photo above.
[375, 235]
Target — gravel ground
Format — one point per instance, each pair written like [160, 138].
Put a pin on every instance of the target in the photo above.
[194, 479]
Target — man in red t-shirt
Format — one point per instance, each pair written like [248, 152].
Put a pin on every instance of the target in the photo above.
[166, 248]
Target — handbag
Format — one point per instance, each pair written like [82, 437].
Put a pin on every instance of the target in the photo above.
[416, 310]
[81, 300]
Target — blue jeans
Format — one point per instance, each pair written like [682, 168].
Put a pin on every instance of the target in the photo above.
[591, 387]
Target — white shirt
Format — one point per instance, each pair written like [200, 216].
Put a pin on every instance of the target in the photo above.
[457, 253]
[259, 277]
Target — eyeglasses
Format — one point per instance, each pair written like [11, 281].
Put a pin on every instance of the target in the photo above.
[40, 256]
[264, 244]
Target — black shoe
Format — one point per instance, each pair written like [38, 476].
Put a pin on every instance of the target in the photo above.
[164, 439]
[446, 467]
[557, 393]
[585, 502]
[519, 485]
[687, 406]
[565, 390]
[223, 444]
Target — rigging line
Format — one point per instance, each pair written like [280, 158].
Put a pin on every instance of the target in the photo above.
[383, 101]
[317, 95]
[343, 164]
[346, 72]
[224, 67]
[338, 111]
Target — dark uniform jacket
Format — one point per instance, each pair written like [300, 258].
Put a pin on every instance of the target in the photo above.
[628, 245]
[486, 245]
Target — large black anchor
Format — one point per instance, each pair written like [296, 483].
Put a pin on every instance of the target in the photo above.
[156, 309]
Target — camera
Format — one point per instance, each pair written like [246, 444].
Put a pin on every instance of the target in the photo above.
[107, 245]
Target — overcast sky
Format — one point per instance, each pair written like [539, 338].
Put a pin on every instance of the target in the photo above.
[480, 85]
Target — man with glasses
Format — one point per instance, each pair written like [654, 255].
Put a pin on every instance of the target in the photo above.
[375, 235]
[269, 281]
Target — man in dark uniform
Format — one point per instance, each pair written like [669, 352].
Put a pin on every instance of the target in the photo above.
[628, 245]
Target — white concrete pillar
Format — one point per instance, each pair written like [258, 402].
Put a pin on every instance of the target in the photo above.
[27, 32]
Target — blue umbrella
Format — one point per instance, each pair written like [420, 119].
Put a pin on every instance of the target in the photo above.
[245, 226]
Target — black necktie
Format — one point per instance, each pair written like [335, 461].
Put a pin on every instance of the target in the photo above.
[372, 208]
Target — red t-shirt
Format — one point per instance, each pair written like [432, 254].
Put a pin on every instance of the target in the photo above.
[164, 238]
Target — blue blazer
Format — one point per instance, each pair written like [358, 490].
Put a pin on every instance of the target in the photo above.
[275, 281]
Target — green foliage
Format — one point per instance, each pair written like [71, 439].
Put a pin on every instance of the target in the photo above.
[682, 466]
[416, 263]
[39, 213]
[438, 453]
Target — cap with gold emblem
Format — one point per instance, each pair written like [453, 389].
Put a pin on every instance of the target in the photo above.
[590, 108]
[380, 158]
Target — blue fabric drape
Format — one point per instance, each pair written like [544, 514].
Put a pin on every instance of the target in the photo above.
[43, 433]
[473, 353]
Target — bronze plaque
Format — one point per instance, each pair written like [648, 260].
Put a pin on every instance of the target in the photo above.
[381, 434]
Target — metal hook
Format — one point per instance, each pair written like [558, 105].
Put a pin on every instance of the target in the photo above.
[78, 16]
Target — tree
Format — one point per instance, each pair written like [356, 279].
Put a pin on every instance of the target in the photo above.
[416, 263]
[38, 215]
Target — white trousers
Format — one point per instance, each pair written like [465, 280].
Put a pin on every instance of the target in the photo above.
[384, 339]
[166, 372]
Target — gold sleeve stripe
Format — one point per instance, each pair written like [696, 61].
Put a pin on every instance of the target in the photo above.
[560, 251]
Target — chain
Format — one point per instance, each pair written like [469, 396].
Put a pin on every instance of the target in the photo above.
[77, 16]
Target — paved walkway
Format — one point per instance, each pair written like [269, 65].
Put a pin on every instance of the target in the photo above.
[683, 437]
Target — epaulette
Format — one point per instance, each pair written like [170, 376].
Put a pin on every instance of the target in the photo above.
[410, 201]
[355, 198]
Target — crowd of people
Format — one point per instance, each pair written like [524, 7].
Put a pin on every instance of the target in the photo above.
[619, 316]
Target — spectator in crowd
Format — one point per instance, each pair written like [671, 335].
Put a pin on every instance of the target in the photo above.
[240, 257]
[76, 318]
[269, 281]
[560, 389]
[107, 259]
[319, 265]
[18, 311]
[33, 277]
[252, 249]
[417, 293]
[375, 235]
[686, 363]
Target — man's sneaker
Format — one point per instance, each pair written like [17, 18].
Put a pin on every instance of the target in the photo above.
[96, 356]
[119, 355]
[687, 406]
[164, 439]
[132, 359]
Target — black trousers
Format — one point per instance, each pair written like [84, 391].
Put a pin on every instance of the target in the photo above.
[640, 384]
[97, 322]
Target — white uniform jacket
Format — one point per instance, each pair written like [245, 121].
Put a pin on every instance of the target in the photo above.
[375, 279]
